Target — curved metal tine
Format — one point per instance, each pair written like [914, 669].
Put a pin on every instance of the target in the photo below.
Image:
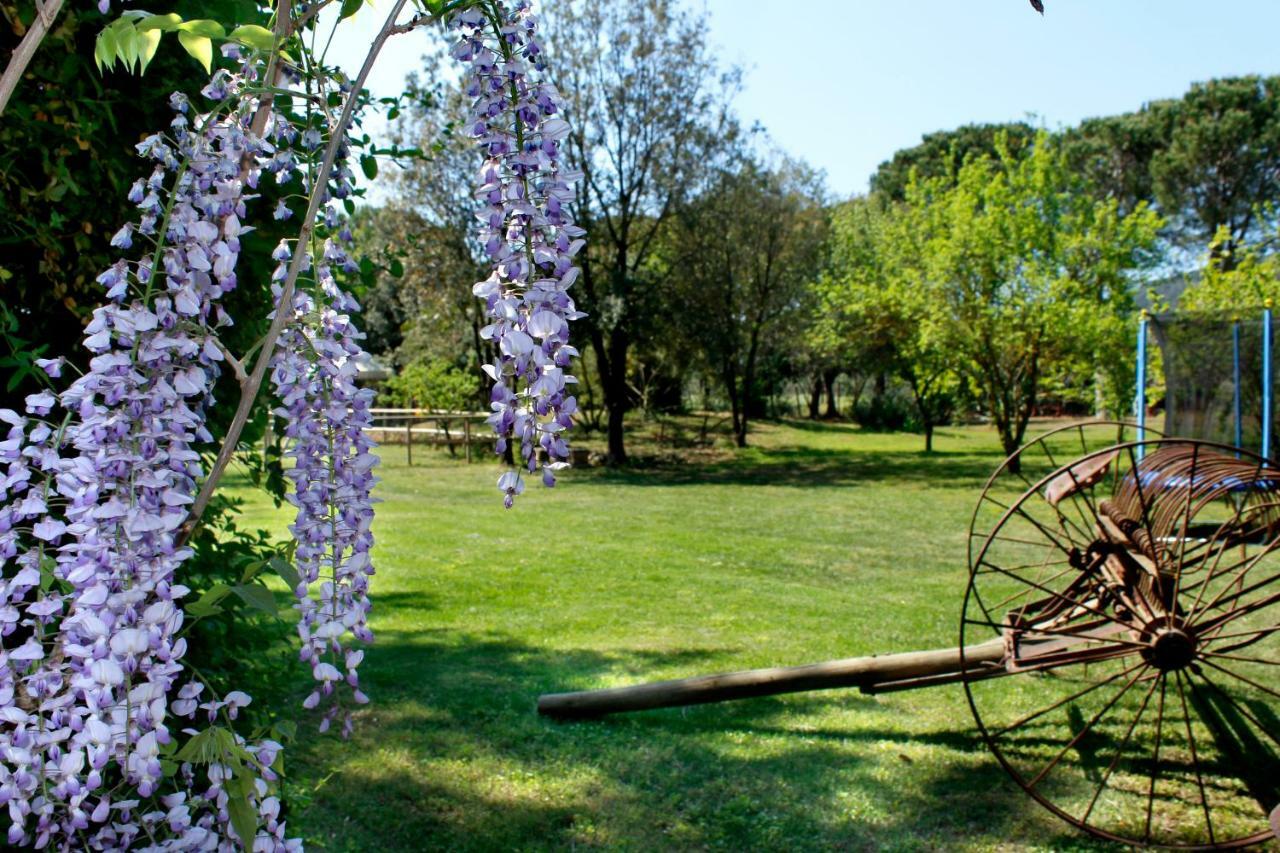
[1049, 632]
[1097, 685]
[1239, 707]
[1029, 486]
[1218, 535]
[1110, 617]
[1124, 744]
[1084, 730]
[1215, 570]
[1155, 759]
[1227, 525]
[1195, 758]
[1235, 519]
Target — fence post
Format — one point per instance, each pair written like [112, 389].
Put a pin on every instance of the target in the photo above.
[466, 437]
[408, 438]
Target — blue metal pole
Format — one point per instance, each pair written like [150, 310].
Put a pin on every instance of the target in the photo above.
[1140, 400]
[1235, 384]
[1266, 381]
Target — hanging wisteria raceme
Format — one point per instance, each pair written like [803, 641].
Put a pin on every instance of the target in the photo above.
[527, 233]
[326, 420]
[91, 679]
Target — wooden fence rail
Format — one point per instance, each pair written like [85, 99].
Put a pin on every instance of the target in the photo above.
[390, 424]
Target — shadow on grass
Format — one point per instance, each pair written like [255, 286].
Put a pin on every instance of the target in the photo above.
[807, 467]
[452, 755]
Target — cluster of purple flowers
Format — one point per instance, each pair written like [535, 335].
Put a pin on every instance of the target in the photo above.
[96, 484]
[326, 420]
[526, 232]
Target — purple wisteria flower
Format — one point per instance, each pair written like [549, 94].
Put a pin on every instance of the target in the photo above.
[95, 484]
[527, 234]
[326, 421]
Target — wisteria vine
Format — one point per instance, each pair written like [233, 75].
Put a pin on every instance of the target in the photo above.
[109, 739]
[527, 233]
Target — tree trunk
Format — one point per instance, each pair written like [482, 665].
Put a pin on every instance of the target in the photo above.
[815, 398]
[928, 437]
[829, 383]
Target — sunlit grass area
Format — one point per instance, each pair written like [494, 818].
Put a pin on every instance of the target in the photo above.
[821, 541]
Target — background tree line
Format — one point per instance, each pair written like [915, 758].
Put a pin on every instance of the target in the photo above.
[991, 271]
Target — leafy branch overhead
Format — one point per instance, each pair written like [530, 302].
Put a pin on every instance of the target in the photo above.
[133, 38]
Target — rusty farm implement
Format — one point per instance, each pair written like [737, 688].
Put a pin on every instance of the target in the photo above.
[1133, 587]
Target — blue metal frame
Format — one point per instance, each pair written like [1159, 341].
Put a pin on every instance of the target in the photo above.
[1140, 399]
[1266, 381]
[1235, 375]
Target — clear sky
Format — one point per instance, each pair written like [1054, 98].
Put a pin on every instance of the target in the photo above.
[845, 83]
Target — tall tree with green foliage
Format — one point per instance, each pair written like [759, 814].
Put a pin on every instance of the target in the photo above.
[1221, 164]
[1031, 269]
[941, 154]
[743, 256]
[649, 108]
[877, 303]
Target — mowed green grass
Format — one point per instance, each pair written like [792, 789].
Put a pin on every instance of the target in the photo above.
[820, 542]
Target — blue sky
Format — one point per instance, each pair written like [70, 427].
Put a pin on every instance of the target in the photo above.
[845, 83]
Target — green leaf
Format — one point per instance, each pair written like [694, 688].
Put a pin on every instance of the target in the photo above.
[200, 47]
[257, 597]
[163, 23]
[127, 46]
[149, 41]
[396, 269]
[369, 164]
[252, 569]
[207, 604]
[203, 27]
[349, 8]
[286, 571]
[254, 36]
[104, 51]
[244, 818]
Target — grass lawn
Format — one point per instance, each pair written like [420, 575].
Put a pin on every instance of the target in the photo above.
[820, 542]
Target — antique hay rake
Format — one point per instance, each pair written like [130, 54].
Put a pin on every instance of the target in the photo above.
[1136, 588]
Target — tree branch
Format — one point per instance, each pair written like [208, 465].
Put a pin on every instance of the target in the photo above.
[284, 307]
[21, 57]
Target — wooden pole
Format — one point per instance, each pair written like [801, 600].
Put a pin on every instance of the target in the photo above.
[466, 437]
[408, 439]
[865, 672]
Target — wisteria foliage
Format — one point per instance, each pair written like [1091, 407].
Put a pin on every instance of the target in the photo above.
[108, 739]
[527, 233]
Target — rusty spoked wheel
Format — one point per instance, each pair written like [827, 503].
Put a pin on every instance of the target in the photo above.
[1137, 590]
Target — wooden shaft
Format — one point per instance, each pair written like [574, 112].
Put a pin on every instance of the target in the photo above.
[850, 672]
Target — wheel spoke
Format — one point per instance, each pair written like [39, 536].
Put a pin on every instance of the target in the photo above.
[1239, 707]
[1086, 729]
[1094, 610]
[1155, 760]
[1195, 758]
[1124, 744]
[1073, 697]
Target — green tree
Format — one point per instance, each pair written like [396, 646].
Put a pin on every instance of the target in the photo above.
[744, 254]
[1032, 270]
[649, 109]
[878, 303]
[1221, 162]
[942, 153]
